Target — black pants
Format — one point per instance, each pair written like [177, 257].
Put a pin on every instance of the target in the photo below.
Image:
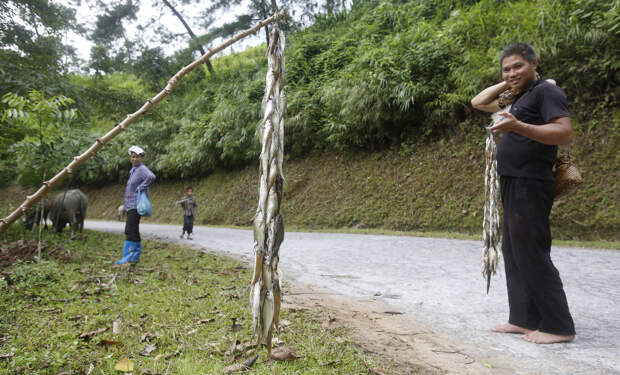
[535, 292]
[188, 224]
[132, 226]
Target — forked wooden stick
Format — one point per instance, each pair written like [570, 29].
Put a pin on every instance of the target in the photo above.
[150, 103]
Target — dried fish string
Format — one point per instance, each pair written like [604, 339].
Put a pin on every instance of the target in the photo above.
[491, 223]
[268, 223]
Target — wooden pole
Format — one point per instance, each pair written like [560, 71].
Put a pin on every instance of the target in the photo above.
[150, 103]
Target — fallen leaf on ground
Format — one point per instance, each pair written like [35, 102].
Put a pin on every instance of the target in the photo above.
[327, 324]
[147, 371]
[124, 365]
[284, 354]
[296, 309]
[90, 369]
[230, 295]
[109, 283]
[116, 326]
[249, 344]
[238, 367]
[148, 349]
[285, 323]
[203, 296]
[331, 363]
[192, 332]
[65, 300]
[109, 342]
[210, 320]
[234, 326]
[89, 335]
[228, 287]
[5, 356]
[51, 309]
[276, 342]
[147, 336]
[235, 347]
[176, 353]
[378, 371]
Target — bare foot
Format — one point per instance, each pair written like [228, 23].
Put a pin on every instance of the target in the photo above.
[538, 337]
[511, 328]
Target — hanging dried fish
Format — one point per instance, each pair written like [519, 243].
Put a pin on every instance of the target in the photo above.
[268, 224]
[490, 223]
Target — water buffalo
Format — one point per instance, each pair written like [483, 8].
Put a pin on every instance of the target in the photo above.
[69, 207]
[121, 213]
[34, 213]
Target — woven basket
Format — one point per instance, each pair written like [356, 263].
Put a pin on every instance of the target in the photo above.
[567, 175]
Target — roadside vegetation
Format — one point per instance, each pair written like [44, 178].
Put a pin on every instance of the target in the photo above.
[379, 131]
[180, 311]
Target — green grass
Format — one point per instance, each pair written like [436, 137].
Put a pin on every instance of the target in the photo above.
[45, 307]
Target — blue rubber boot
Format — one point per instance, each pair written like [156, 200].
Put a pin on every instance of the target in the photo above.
[126, 252]
[134, 254]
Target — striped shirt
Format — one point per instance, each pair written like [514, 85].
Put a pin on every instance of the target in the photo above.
[139, 177]
[189, 205]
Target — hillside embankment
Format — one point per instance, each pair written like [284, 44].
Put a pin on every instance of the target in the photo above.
[434, 187]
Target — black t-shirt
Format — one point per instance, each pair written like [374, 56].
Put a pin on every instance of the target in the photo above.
[520, 156]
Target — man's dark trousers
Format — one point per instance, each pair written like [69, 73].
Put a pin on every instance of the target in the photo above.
[132, 226]
[535, 292]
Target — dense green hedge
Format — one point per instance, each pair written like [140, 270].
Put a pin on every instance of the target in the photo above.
[386, 73]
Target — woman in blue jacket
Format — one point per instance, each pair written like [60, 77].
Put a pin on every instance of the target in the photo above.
[140, 177]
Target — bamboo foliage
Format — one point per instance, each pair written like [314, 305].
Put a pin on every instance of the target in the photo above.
[268, 223]
[150, 103]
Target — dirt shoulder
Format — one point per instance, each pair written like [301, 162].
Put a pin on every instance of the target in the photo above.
[403, 345]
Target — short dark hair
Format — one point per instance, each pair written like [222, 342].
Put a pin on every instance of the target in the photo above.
[189, 188]
[524, 50]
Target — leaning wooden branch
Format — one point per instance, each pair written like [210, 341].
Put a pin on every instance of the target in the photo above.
[150, 103]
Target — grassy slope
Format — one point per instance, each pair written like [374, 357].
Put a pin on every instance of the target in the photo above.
[433, 187]
[437, 187]
[171, 297]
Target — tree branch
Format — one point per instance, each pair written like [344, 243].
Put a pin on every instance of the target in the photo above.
[191, 34]
[150, 103]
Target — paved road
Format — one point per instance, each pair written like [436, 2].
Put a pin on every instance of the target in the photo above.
[438, 283]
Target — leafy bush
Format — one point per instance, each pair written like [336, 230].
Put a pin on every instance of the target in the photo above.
[384, 73]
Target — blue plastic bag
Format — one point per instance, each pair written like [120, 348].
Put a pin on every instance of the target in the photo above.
[144, 204]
